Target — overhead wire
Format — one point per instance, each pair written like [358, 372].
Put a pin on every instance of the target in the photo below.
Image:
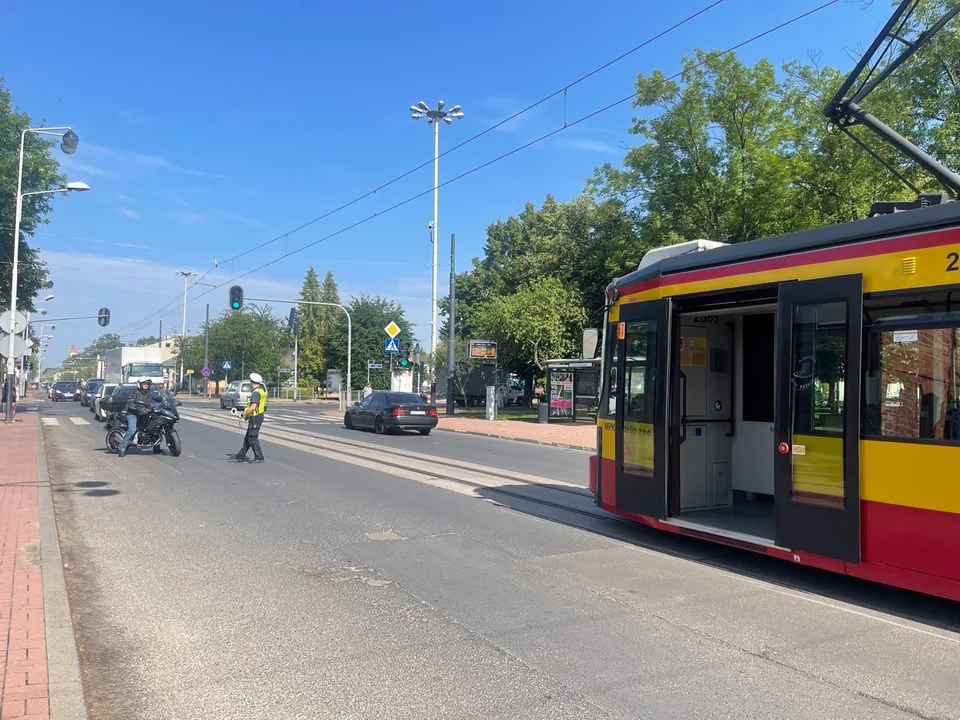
[514, 116]
[535, 141]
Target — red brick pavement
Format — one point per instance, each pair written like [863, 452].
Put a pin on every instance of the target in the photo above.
[566, 434]
[24, 657]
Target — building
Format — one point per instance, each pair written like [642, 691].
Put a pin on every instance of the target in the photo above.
[73, 351]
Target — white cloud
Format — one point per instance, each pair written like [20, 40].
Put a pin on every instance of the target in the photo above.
[74, 168]
[587, 145]
[124, 198]
[187, 217]
[128, 213]
[127, 158]
[252, 222]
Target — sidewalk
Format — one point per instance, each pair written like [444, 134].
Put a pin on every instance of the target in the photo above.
[29, 611]
[24, 692]
[561, 434]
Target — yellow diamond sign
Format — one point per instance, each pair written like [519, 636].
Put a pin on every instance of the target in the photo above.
[392, 329]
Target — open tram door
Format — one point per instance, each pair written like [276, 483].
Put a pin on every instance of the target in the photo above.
[817, 421]
[642, 337]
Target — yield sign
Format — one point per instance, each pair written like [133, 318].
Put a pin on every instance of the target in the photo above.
[392, 329]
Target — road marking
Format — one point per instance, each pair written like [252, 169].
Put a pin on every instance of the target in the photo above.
[49, 421]
[79, 421]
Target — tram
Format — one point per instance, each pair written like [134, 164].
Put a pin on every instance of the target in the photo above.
[795, 396]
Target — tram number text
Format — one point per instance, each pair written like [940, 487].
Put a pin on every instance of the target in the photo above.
[709, 319]
[953, 262]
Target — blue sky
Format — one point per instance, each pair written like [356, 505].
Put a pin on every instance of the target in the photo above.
[207, 130]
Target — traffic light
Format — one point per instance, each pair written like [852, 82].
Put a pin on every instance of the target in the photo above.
[404, 356]
[236, 297]
[103, 317]
[294, 321]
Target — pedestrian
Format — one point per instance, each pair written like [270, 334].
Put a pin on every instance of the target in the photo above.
[254, 411]
[8, 388]
[367, 390]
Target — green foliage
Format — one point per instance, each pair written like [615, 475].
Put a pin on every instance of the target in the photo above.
[40, 172]
[252, 339]
[369, 315]
[148, 340]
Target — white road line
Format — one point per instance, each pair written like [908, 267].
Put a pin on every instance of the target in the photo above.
[79, 421]
[49, 421]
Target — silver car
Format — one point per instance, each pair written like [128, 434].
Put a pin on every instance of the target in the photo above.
[102, 392]
[236, 395]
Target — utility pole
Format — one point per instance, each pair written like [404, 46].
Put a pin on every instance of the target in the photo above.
[452, 329]
[183, 328]
[296, 351]
[206, 352]
[160, 338]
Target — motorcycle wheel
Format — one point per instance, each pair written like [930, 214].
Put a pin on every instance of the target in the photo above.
[114, 438]
[173, 442]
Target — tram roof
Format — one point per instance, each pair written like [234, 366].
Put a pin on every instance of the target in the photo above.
[899, 223]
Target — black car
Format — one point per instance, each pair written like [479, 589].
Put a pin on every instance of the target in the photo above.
[117, 400]
[89, 390]
[66, 390]
[388, 411]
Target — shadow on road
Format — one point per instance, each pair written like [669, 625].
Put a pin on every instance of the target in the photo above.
[926, 609]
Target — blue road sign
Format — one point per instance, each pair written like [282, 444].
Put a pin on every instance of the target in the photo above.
[391, 345]
[227, 365]
[205, 372]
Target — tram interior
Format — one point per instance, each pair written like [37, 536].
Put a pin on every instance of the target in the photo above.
[726, 459]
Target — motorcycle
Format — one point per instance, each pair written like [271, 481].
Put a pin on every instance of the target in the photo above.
[153, 428]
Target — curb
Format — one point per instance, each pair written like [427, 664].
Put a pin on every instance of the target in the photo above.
[65, 693]
[544, 443]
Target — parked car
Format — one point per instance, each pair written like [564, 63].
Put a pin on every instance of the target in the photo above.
[389, 411]
[103, 391]
[89, 390]
[66, 390]
[236, 395]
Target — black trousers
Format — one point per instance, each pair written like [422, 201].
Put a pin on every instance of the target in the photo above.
[252, 438]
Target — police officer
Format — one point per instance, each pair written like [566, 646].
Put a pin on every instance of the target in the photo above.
[254, 414]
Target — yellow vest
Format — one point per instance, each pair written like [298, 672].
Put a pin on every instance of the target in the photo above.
[258, 398]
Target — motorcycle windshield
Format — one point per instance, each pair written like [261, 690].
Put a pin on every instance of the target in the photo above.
[168, 403]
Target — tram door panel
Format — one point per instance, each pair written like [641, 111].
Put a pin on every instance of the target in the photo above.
[643, 336]
[817, 428]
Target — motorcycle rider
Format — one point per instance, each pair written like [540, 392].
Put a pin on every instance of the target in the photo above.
[138, 405]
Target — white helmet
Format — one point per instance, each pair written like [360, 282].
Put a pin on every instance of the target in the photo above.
[144, 380]
[256, 377]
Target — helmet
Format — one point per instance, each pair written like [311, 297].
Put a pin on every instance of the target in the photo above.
[144, 381]
[257, 378]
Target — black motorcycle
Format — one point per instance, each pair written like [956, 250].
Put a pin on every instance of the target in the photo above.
[153, 428]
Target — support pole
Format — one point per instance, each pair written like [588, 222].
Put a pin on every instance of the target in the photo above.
[452, 330]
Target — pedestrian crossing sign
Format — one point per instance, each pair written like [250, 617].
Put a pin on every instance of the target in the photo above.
[391, 345]
[227, 365]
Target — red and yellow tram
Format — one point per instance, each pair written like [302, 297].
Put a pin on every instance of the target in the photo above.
[794, 396]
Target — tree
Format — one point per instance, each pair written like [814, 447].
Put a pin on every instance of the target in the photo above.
[148, 340]
[311, 357]
[369, 315]
[40, 172]
[462, 365]
[538, 322]
[329, 317]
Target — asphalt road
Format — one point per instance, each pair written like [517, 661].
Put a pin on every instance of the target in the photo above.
[558, 463]
[310, 587]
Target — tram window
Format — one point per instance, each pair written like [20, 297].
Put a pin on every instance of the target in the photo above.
[759, 348]
[640, 371]
[612, 373]
[911, 380]
[819, 350]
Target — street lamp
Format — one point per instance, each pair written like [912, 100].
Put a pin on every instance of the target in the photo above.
[186, 274]
[418, 112]
[68, 144]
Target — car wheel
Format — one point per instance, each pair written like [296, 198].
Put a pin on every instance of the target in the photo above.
[348, 421]
[425, 431]
[378, 427]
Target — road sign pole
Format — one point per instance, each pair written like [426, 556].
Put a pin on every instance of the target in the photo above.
[296, 348]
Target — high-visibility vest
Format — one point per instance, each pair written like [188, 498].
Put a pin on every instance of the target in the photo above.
[258, 398]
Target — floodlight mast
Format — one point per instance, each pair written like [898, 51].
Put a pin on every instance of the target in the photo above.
[844, 112]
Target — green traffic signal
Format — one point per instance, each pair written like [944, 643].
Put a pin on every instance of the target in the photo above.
[236, 297]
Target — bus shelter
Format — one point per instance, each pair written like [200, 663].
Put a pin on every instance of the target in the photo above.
[572, 389]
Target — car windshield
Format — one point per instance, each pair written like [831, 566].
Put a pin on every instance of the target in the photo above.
[404, 399]
[66, 386]
[146, 369]
[123, 390]
[93, 385]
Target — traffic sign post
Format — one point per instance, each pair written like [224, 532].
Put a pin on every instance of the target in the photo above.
[205, 372]
[392, 329]
[391, 345]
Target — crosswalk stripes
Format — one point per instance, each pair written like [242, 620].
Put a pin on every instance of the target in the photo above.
[49, 421]
[79, 421]
[52, 421]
